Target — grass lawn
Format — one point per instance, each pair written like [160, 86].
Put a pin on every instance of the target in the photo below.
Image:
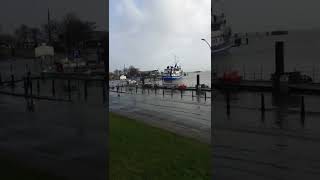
[141, 152]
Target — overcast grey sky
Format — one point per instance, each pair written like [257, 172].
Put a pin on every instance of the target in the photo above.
[34, 12]
[148, 33]
[264, 15]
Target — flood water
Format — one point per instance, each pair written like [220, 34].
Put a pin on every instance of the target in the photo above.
[279, 143]
[70, 133]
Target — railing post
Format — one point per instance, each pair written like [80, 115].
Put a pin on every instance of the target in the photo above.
[262, 103]
[302, 107]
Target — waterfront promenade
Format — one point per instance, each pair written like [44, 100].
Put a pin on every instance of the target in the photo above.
[189, 116]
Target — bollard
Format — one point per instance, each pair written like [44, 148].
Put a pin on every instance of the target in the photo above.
[205, 96]
[85, 89]
[228, 103]
[302, 107]
[192, 93]
[162, 92]
[247, 41]
[53, 88]
[136, 89]
[262, 103]
[198, 82]
[38, 86]
[181, 93]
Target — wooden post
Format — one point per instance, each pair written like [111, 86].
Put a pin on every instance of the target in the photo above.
[302, 107]
[262, 103]
[53, 88]
[85, 89]
[198, 82]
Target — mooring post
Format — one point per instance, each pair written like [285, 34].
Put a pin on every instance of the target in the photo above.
[85, 89]
[279, 56]
[53, 88]
[198, 82]
[302, 107]
[262, 103]
[228, 103]
[38, 86]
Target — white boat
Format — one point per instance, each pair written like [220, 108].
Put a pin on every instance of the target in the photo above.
[123, 77]
[220, 35]
[172, 73]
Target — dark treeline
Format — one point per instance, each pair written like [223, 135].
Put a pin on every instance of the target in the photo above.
[64, 35]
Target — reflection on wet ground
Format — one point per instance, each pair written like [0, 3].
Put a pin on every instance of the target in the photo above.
[186, 116]
[66, 139]
[276, 144]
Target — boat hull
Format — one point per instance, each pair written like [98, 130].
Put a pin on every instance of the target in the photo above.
[171, 78]
[221, 49]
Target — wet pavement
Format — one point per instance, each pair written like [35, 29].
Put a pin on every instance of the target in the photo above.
[186, 116]
[277, 144]
[66, 139]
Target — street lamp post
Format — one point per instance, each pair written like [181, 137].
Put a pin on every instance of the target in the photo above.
[206, 42]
